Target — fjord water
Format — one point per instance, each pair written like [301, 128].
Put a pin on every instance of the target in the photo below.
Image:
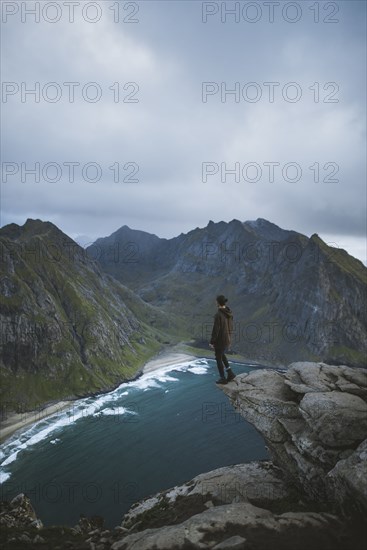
[107, 452]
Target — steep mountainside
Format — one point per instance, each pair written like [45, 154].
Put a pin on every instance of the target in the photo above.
[67, 328]
[293, 297]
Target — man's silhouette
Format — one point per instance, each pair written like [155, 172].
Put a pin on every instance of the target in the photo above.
[221, 338]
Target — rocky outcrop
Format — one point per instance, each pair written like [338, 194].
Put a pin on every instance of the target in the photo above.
[314, 419]
[240, 506]
[312, 495]
[235, 526]
[259, 483]
[19, 525]
[242, 526]
[20, 528]
[19, 513]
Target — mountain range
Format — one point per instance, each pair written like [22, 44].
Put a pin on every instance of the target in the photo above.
[76, 321]
[293, 297]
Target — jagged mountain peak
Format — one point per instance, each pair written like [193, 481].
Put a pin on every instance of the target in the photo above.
[33, 227]
[268, 230]
[126, 233]
[37, 226]
[261, 222]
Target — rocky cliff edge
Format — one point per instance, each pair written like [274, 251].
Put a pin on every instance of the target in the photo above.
[313, 494]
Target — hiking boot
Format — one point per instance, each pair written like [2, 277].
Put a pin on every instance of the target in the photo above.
[230, 375]
[221, 381]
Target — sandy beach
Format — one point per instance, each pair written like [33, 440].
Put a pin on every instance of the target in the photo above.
[19, 421]
[166, 359]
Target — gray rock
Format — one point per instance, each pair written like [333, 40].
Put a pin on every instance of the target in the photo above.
[312, 416]
[304, 377]
[39, 540]
[19, 513]
[263, 398]
[25, 538]
[338, 419]
[348, 480]
[209, 504]
[233, 543]
[259, 483]
[259, 527]
[37, 523]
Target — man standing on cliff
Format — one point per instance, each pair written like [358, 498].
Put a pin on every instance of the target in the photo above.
[221, 338]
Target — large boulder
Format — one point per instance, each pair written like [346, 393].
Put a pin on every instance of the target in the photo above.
[348, 480]
[230, 525]
[304, 377]
[312, 416]
[336, 419]
[259, 483]
[19, 514]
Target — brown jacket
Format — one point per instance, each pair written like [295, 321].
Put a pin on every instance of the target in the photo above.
[222, 329]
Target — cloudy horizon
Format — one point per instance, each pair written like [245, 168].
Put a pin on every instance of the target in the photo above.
[165, 115]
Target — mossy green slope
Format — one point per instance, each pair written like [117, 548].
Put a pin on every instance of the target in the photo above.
[67, 328]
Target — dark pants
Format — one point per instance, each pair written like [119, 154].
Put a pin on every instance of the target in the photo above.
[221, 360]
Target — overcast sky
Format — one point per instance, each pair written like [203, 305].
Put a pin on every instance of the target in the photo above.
[159, 115]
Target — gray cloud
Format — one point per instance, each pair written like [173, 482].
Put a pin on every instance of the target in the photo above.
[170, 132]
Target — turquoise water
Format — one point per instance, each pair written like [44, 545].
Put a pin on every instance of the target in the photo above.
[109, 451]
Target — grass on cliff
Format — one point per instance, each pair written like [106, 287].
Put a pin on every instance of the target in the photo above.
[345, 261]
[347, 356]
[30, 390]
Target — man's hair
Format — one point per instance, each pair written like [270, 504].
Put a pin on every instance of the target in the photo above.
[222, 300]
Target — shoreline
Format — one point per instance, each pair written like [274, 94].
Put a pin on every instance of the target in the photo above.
[18, 421]
[166, 357]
